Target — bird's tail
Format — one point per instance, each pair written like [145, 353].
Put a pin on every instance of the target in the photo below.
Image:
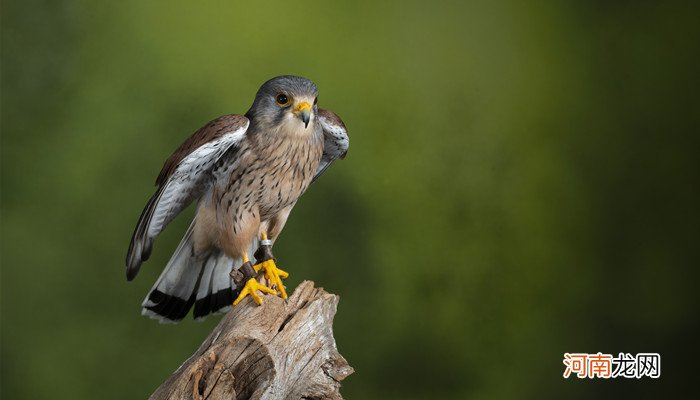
[187, 280]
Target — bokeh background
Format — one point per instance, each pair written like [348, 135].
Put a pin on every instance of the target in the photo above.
[522, 182]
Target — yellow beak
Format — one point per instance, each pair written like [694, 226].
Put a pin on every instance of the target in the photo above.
[303, 110]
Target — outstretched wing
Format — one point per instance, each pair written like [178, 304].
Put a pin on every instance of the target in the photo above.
[185, 176]
[335, 140]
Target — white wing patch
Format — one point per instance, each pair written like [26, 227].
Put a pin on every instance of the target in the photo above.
[190, 179]
[335, 144]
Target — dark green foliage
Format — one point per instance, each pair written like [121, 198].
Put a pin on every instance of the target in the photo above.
[522, 182]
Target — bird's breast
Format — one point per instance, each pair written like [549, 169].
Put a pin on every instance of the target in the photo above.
[288, 171]
[270, 175]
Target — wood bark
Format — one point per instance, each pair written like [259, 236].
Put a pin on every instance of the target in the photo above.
[277, 350]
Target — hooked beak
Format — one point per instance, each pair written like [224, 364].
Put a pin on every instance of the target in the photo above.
[303, 111]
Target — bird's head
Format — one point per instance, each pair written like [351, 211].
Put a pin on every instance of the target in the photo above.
[286, 101]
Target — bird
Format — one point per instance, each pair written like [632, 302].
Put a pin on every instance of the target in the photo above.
[246, 173]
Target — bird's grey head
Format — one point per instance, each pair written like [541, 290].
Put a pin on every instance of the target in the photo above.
[285, 101]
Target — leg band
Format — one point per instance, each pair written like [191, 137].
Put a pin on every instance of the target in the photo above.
[263, 254]
[243, 273]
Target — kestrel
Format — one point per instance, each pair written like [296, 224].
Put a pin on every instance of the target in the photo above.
[246, 173]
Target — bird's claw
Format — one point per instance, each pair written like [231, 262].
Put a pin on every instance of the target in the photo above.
[273, 275]
[249, 289]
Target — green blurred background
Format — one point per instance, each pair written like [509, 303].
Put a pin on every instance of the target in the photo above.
[522, 182]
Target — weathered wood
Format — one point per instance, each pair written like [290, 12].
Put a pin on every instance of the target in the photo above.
[274, 351]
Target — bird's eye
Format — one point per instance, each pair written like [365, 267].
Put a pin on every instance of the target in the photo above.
[282, 99]
[315, 100]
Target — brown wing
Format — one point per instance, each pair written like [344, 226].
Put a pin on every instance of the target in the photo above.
[335, 139]
[185, 176]
[211, 131]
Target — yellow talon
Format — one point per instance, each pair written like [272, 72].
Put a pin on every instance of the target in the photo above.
[273, 275]
[249, 289]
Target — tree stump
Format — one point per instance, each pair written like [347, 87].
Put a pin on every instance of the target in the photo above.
[274, 351]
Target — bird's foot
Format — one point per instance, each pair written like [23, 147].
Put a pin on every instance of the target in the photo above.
[249, 289]
[249, 274]
[273, 275]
